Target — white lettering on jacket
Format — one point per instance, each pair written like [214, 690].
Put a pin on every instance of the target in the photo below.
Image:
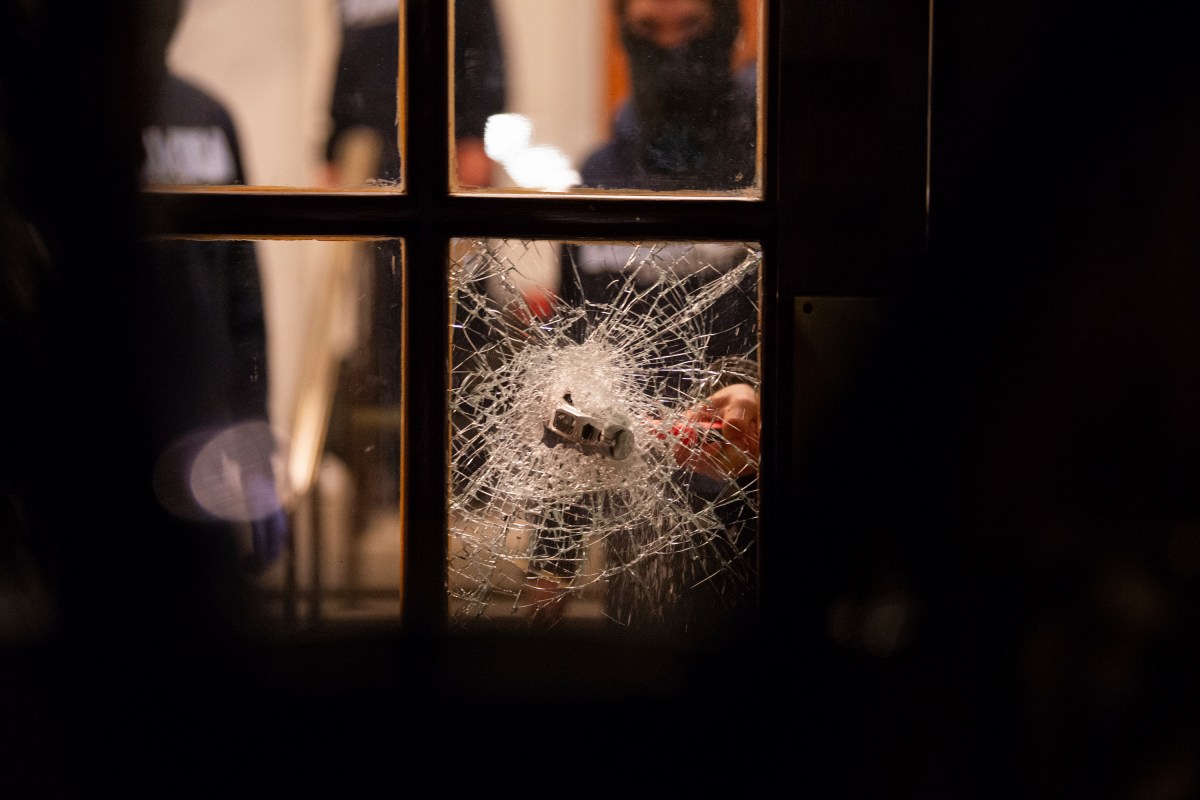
[187, 155]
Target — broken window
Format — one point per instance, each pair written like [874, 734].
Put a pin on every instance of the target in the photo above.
[604, 458]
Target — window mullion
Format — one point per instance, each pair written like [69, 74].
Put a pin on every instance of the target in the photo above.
[425, 318]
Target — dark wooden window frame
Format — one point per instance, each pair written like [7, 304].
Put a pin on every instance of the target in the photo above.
[842, 212]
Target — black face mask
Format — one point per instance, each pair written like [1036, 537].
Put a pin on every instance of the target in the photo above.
[684, 81]
[681, 95]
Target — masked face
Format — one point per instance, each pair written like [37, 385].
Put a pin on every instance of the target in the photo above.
[681, 76]
[679, 56]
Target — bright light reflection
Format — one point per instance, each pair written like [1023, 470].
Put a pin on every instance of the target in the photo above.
[506, 135]
[507, 140]
[226, 473]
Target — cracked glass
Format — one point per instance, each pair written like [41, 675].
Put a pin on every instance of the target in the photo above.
[604, 434]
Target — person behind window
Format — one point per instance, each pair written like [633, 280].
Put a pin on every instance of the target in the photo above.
[690, 122]
[205, 375]
[363, 105]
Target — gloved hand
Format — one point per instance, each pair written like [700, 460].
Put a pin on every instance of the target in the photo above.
[269, 523]
[722, 438]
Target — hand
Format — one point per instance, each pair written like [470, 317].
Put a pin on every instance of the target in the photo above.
[729, 443]
[269, 525]
[329, 176]
[269, 538]
[473, 164]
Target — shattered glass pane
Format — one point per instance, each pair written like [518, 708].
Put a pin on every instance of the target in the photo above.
[604, 453]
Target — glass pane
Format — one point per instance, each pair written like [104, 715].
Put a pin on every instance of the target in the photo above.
[662, 98]
[272, 374]
[547, 96]
[604, 415]
[304, 90]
